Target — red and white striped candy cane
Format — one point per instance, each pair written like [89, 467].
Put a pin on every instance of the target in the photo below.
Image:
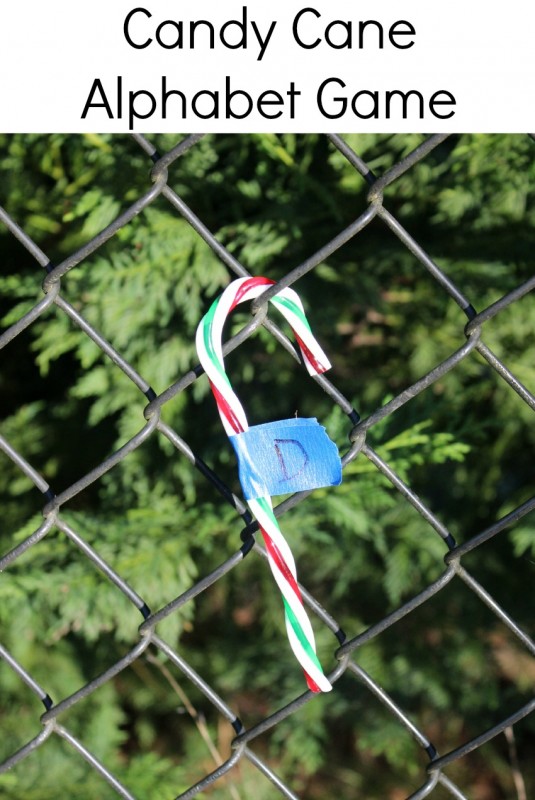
[281, 560]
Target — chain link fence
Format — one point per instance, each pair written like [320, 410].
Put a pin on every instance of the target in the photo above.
[434, 778]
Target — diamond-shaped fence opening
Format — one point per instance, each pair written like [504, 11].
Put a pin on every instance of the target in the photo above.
[422, 605]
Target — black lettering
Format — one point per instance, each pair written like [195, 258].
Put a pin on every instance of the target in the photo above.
[90, 103]
[126, 28]
[292, 94]
[133, 112]
[347, 42]
[264, 100]
[262, 42]
[193, 27]
[242, 26]
[374, 113]
[119, 96]
[177, 27]
[434, 101]
[363, 25]
[229, 113]
[167, 93]
[405, 101]
[393, 32]
[341, 100]
[214, 113]
[295, 28]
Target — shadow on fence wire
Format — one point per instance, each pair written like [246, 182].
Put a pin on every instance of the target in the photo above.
[346, 643]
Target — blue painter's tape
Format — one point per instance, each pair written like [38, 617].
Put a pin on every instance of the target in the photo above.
[286, 456]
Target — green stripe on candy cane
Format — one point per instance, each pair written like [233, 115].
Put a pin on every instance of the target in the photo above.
[207, 322]
[280, 558]
[230, 409]
[303, 641]
[261, 508]
[315, 359]
[278, 300]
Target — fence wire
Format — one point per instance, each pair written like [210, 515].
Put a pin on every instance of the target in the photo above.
[346, 643]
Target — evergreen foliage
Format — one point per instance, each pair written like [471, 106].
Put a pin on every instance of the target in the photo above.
[465, 445]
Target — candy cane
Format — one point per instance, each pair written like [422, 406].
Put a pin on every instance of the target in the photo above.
[280, 558]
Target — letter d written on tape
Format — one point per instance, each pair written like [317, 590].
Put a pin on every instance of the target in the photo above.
[290, 455]
[279, 445]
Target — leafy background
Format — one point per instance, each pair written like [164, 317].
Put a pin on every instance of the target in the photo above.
[465, 445]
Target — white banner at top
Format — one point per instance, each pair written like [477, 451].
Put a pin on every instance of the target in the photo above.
[171, 65]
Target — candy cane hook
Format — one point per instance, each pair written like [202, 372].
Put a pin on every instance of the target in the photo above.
[280, 558]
